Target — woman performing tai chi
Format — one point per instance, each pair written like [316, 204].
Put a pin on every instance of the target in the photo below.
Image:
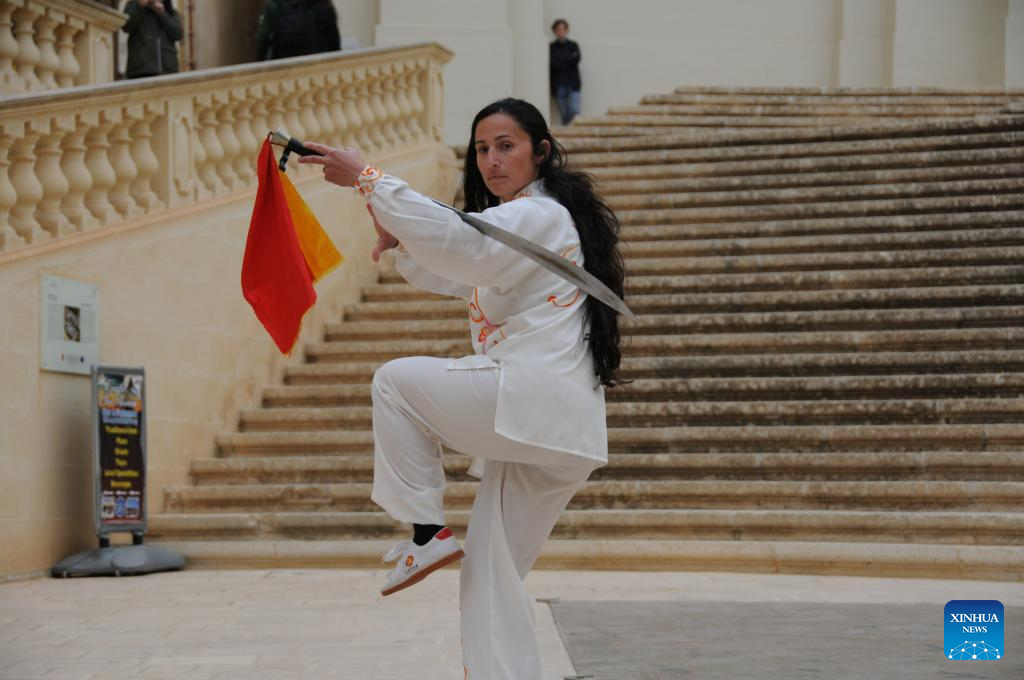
[528, 405]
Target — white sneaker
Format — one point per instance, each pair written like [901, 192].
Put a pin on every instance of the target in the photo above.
[416, 562]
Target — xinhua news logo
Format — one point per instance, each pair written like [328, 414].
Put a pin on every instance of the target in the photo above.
[974, 630]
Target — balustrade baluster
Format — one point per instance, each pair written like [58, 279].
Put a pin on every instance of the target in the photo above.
[26, 184]
[260, 123]
[323, 116]
[8, 48]
[307, 106]
[104, 177]
[72, 163]
[9, 238]
[232, 147]
[380, 112]
[49, 60]
[55, 185]
[69, 67]
[389, 83]
[275, 107]
[28, 54]
[127, 172]
[249, 144]
[416, 79]
[213, 152]
[371, 136]
[354, 132]
[336, 111]
[406, 126]
[292, 122]
[147, 163]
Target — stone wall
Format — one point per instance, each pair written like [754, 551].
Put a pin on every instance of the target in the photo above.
[159, 225]
[630, 50]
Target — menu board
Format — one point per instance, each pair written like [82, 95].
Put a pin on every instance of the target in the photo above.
[119, 427]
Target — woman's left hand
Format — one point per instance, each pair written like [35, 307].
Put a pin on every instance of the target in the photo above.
[341, 166]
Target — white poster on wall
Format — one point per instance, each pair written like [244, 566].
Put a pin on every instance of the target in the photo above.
[70, 330]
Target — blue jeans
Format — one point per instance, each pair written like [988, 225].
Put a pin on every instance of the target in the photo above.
[568, 103]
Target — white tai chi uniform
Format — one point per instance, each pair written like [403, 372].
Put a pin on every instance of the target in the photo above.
[527, 404]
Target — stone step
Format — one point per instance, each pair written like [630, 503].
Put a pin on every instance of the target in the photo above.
[944, 411]
[1004, 563]
[753, 118]
[832, 209]
[839, 169]
[769, 230]
[733, 322]
[710, 343]
[882, 298]
[802, 196]
[802, 93]
[808, 262]
[742, 439]
[950, 362]
[792, 143]
[944, 528]
[814, 438]
[633, 494]
[818, 244]
[807, 365]
[983, 254]
[849, 181]
[865, 279]
[834, 466]
[841, 111]
[959, 385]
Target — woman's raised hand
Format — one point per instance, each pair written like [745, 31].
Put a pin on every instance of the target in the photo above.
[341, 166]
[385, 241]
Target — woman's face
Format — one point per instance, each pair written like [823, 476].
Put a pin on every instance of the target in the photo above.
[504, 155]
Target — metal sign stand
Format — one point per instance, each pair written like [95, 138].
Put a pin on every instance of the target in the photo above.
[119, 448]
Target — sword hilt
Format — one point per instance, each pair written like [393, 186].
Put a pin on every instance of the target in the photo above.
[279, 137]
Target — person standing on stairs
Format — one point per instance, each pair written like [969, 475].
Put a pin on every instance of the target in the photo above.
[529, 404]
[564, 67]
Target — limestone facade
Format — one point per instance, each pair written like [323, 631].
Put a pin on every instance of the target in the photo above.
[144, 188]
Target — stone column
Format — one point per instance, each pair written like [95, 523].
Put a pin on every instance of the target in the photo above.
[865, 44]
[530, 52]
[1015, 45]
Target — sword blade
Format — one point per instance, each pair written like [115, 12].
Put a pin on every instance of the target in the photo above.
[561, 267]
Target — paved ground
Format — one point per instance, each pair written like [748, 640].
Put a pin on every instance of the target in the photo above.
[326, 624]
[770, 641]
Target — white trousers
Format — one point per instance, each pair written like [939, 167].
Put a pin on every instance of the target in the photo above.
[418, 406]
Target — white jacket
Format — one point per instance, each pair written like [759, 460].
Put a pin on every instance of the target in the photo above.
[524, 320]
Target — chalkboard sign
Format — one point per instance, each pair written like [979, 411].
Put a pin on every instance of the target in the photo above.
[119, 442]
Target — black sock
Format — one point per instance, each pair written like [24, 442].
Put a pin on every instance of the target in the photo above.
[422, 533]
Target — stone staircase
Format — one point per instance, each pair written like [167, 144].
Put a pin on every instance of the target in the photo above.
[754, 108]
[827, 364]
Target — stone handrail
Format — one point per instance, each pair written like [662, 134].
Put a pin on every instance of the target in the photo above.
[48, 44]
[90, 157]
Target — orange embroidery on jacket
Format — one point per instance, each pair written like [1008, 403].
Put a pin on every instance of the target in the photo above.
[476, 315]
[553, 299]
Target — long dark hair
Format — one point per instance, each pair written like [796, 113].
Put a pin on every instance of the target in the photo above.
[595, 222]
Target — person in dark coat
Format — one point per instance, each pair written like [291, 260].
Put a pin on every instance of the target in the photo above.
[292, 28]
[565, 71]
[153, 28]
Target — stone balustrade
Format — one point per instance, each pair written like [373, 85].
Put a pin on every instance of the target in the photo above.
[93, 157]
[49, 44]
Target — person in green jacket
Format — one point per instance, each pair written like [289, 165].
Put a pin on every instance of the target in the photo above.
[153, 28]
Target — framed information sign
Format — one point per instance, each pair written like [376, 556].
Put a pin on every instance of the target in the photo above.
[119, 442]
